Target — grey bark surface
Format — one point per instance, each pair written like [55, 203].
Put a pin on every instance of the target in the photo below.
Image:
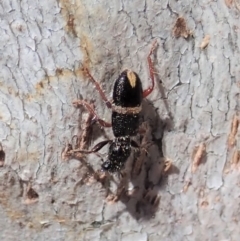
[45, 44]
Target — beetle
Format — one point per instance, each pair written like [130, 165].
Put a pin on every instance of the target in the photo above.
[126, 106]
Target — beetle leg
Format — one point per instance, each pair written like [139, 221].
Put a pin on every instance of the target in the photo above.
[151, 71]
[96, 148]
[92, 111]
[99, 89]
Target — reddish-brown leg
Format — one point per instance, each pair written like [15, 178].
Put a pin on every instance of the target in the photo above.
[95, 149]
[151, 71]
[92, 111]
[99, 89]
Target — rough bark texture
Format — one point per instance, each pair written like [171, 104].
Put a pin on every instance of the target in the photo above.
[45, 44]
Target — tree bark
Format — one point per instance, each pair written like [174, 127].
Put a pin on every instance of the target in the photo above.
[192, 120]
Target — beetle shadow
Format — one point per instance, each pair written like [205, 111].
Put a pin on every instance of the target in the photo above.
[144, 172]
[147, 174]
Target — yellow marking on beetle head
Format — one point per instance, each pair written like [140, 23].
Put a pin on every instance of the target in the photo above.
[132, 78]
